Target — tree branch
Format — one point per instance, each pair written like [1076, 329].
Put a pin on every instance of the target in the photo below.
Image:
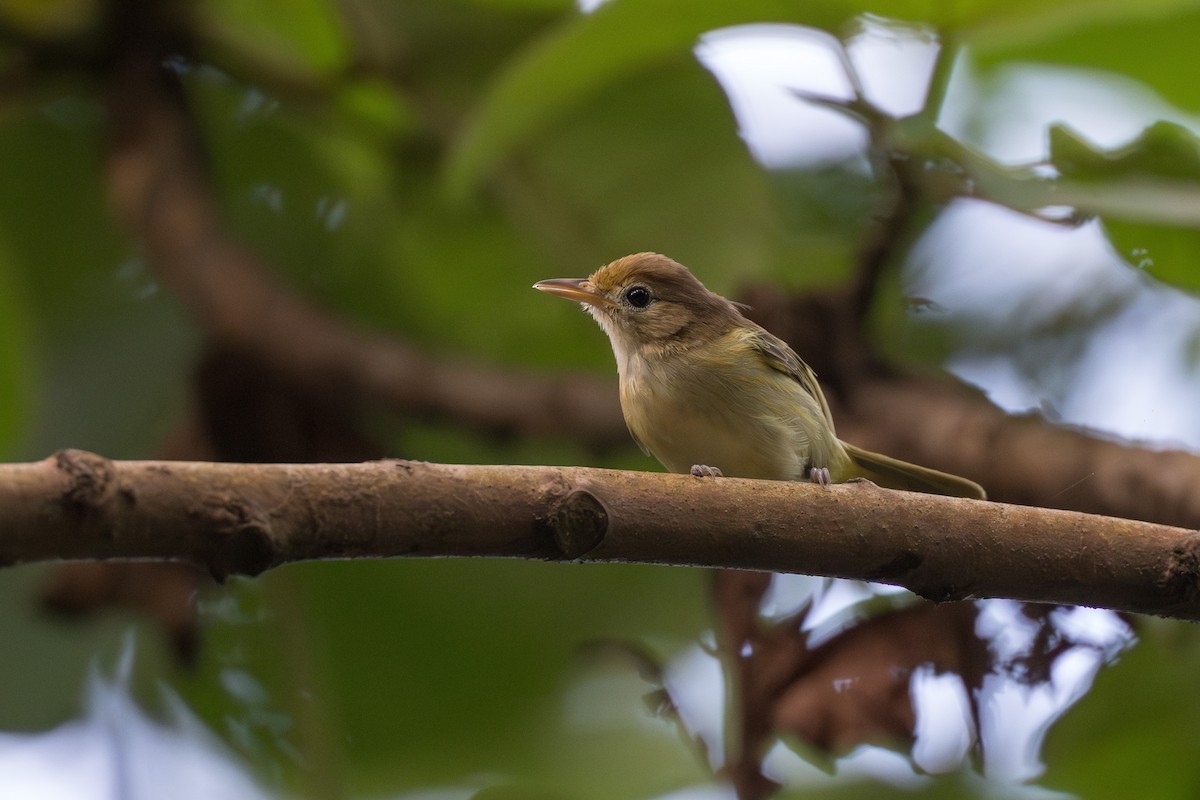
[246, 518]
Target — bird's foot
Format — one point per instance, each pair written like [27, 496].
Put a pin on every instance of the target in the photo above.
[705, 471]
[820, 476]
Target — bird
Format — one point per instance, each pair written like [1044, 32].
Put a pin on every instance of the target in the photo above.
[709, 392]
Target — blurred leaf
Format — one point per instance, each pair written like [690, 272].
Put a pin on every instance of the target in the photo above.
[1138, 41]
[375, 107]
[1171, 255]
[57, 178]
[43, 687]
[313, 222]
[616, 178]
[1164, 149]
[834, 713]
[474, 655]
[1134, 734]
[528, 5]
[304, 35]
[1148, 193]
[161, 591]
[249, 685]
[518, 792]
[823, 213]
[562, 70]
[994, 24]
[16, 349]
[102, 329]
[443, 55]
[372, 211]
[565, 68]
[50, 19]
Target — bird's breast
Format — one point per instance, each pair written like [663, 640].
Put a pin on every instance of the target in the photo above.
[745, 425]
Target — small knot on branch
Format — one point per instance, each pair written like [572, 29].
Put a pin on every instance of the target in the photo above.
[245, 546]
[89, 476]
[580, 523]
[1182, 574]
[90, 483]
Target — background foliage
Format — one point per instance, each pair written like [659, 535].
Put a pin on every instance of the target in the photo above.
[414, 167]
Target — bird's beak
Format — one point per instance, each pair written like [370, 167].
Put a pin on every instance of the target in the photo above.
[578, 289]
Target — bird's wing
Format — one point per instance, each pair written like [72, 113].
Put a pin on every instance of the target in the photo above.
[778, 356]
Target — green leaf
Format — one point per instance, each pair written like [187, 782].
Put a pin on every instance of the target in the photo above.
[1146, 42]
[565, 68]
[477, 656]
[16, 347]
[50, 19]
[540, 6]
[1164, 150]
[622, 188]
[562, 70]
[989, 25]
[1134, 734]
[1147, 192]
[1171, 255]
[824, 212]
[89, 302]
[377, 108]
[301, 35]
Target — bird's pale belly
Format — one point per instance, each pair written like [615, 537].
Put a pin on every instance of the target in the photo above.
[737, 453]
[681, 437]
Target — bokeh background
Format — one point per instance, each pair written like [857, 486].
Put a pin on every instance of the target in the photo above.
[1007, 191]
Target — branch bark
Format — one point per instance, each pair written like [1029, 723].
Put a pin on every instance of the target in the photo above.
[246, 518]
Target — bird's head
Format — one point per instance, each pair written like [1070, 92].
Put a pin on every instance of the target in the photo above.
[648, 300]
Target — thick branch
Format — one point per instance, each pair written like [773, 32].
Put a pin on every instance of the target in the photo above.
[244, 518]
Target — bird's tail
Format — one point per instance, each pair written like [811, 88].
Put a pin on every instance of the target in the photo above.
[895, 474]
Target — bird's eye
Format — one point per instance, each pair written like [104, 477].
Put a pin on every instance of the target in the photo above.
[638, 296]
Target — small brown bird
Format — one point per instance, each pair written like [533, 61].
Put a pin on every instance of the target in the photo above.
[706, 391]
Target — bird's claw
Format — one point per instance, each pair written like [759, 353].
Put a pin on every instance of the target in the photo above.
[820, 476]
[705, 471]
